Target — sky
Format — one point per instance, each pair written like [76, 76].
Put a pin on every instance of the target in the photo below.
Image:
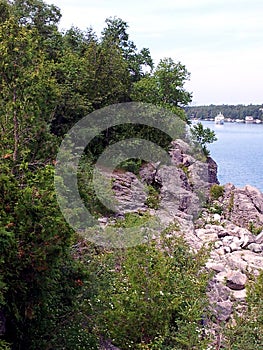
[219, 41]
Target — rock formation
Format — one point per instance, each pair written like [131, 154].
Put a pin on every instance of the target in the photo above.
[231, 225]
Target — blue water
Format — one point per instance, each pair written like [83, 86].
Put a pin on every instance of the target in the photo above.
[238, 153]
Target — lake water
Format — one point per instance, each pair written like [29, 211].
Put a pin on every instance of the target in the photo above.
[238, 153]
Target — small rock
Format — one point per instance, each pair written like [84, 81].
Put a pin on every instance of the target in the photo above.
[221, 277]
[236, 280]
[244, 241]
[103, 220]
[217, 217]
[227, 240]
[227, 250]
[218, 244]
[206, 235]
[223, 310]
[217, 267]
[254, 247]
[218, 292]
[221, 251]
[234, 246]
[259, 238]
[239, 295]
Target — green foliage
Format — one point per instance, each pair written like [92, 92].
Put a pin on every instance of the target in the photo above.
[248, 331]
[4, 345]
[28, 94]
[202, 136]
[133, 165]
[216, 208]
[115, 33]
[164, 87]
[154, 291]
[216, 191]
[231, 203]
[153, 198]
[132, 219]
[255, 230]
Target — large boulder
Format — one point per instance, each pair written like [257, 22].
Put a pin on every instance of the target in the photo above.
[243, 206]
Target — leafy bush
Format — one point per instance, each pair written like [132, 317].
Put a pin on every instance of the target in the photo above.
[153, 198]
[248, 331]
[216, 191]
[255, 230]
[154, 293]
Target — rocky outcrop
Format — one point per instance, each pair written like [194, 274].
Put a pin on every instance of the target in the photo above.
[212, 171]
[130, 193]
[231, 225]
[235, 253]
[243, 206]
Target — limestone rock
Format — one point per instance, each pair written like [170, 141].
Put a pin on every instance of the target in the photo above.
[206, 235]
[129, 192]
[245, 260]
[259, 238]
[212, 171]
[236, 280]
[239, 295]
[254, 247]
[243, 205]
[223, 310]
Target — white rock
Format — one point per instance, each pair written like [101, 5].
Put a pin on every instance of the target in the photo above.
[217, 267]
[254, 247]
[218, 244]
[227, 249]
[234, 246]
[244, 239]
[236, 280]
[221, 276]
[206, 235]
[227, 240]
[239, 295]
[259, 238]
[217, 217]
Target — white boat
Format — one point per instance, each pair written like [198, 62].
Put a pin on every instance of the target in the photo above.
[249, 119]
[219, 119]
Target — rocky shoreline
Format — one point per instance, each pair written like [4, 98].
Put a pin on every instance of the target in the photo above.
[230, 223]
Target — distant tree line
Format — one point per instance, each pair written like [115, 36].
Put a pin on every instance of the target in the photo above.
[229, 111]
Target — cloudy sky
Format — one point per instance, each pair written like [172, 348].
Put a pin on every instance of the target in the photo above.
[219, 41]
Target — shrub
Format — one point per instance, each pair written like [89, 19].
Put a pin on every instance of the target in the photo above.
[153, 199]
[155, 294]
[248, 331]
[216, 191]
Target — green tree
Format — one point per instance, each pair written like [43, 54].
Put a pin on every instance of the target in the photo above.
[164, 87]
[28, 94]
[44, 19]
[92, 75]
[115, 33]
[202, 136]
[39, 278]
[38, 15]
